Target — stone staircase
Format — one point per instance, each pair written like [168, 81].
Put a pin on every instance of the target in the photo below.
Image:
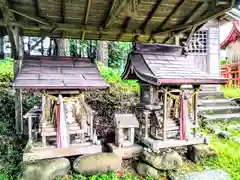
[212, 106]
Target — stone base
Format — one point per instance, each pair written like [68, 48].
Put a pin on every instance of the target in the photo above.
[38, 153]
[155, 145]
[126, 152]
[201, 151]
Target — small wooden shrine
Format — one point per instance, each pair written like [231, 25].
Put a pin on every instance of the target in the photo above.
[167, 111]
[64, 124]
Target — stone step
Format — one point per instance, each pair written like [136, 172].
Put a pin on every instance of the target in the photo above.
[209, 87]
[222, 117]
[54, 133]
[210, 95]
[218, 109]
[215, 102]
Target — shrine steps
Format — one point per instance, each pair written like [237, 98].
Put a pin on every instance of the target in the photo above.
[210, 95]
[219, 109]
[74, 128]
[215, 102]
[212, 106]
[222, 117]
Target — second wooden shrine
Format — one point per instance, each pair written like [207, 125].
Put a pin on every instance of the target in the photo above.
[169, 84]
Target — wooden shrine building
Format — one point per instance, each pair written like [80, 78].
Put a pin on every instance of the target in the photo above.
[231, 70]
[168, 102]
[159, 21]
[59, 78]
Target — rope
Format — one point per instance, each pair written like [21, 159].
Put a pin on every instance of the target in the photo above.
[65, 99]
[177, 99]
[79, 111]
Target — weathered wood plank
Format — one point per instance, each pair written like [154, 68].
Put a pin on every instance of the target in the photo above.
[31, 16]
[210, 15]
[49, 153]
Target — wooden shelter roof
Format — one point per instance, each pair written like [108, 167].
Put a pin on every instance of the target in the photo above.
[123, 20]
[165, 65]
[39, 72]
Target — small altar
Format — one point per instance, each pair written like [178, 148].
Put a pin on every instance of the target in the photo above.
[64, 123]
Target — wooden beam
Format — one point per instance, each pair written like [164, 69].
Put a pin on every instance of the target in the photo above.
[63, 10]
[83, 35]
[115, 10]
[233, 3]
[150, 15]
[7, 21]
[86, 17]
[185, 20]
[190, 15]
[37, 8]
[191, 33]
[201, 20]
[63, 7]
[124, 27]
[31, 17]
[42, 38]
[87, 28]
[169, 17]
[87, 11]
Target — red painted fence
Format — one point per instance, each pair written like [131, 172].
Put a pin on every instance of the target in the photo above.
[232, 73]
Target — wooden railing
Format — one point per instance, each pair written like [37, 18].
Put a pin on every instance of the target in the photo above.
[232, 73]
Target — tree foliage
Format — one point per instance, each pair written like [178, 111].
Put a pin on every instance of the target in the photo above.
[116, 56]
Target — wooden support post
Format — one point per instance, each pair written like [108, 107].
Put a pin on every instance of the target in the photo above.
[43, 121]
[91, 125]
[131, 135]
[146, 113]
[30, 129]
[18, 111]
[195, 116]
[165, 115]
[18, 46]
[177, 40]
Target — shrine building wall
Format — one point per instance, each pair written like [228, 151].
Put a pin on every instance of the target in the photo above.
[204, 48]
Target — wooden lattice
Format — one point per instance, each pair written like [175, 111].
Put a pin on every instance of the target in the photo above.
[198, 42]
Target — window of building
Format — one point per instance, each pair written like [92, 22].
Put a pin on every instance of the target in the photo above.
[198, 42]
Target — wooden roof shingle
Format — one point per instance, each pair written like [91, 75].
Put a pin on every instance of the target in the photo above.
[165, 65]
[39, 72]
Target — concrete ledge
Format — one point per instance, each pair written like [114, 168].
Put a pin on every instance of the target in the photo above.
[126, 152]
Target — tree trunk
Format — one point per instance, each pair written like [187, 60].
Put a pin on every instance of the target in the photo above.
[103, 51]
[61, 51]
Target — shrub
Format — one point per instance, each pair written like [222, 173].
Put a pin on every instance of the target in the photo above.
[6, 72]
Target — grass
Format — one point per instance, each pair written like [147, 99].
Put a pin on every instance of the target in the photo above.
[231, 92]
[228, 155]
